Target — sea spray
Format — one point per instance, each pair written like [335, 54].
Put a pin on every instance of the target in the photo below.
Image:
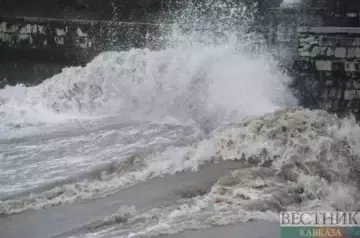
[207, 75]
[203, 38]
[152, 85]
[204, 76]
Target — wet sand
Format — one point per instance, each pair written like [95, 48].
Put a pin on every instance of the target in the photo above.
[65, 220]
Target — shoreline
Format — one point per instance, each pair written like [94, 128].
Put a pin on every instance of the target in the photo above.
[252, 229]
[71, 219]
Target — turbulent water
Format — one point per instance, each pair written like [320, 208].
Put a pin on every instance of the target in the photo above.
[129, 117]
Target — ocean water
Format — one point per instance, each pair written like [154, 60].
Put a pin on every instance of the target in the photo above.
[139, 123]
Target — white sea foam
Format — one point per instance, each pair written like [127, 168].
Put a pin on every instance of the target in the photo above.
[210, 68]
[209, 79]
[292, 160]
[200, 78]
[183, 83]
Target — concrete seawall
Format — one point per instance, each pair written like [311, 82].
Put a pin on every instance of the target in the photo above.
[323, 56]
[26, 43]
[333, 55]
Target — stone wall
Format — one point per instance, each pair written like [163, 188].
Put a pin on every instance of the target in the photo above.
[332, 55]
[32, 41]
[75, 39]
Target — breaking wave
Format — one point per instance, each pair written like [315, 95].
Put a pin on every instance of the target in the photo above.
[292, 159]
[213, 77]
[208, 71]
[196, 84]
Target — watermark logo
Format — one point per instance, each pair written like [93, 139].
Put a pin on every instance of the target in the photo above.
[320, 224]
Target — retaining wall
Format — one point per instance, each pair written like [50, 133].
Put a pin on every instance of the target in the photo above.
[75, 39]
[332, 54]
[27, 42]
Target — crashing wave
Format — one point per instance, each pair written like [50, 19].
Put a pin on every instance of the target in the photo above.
[292, 159]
